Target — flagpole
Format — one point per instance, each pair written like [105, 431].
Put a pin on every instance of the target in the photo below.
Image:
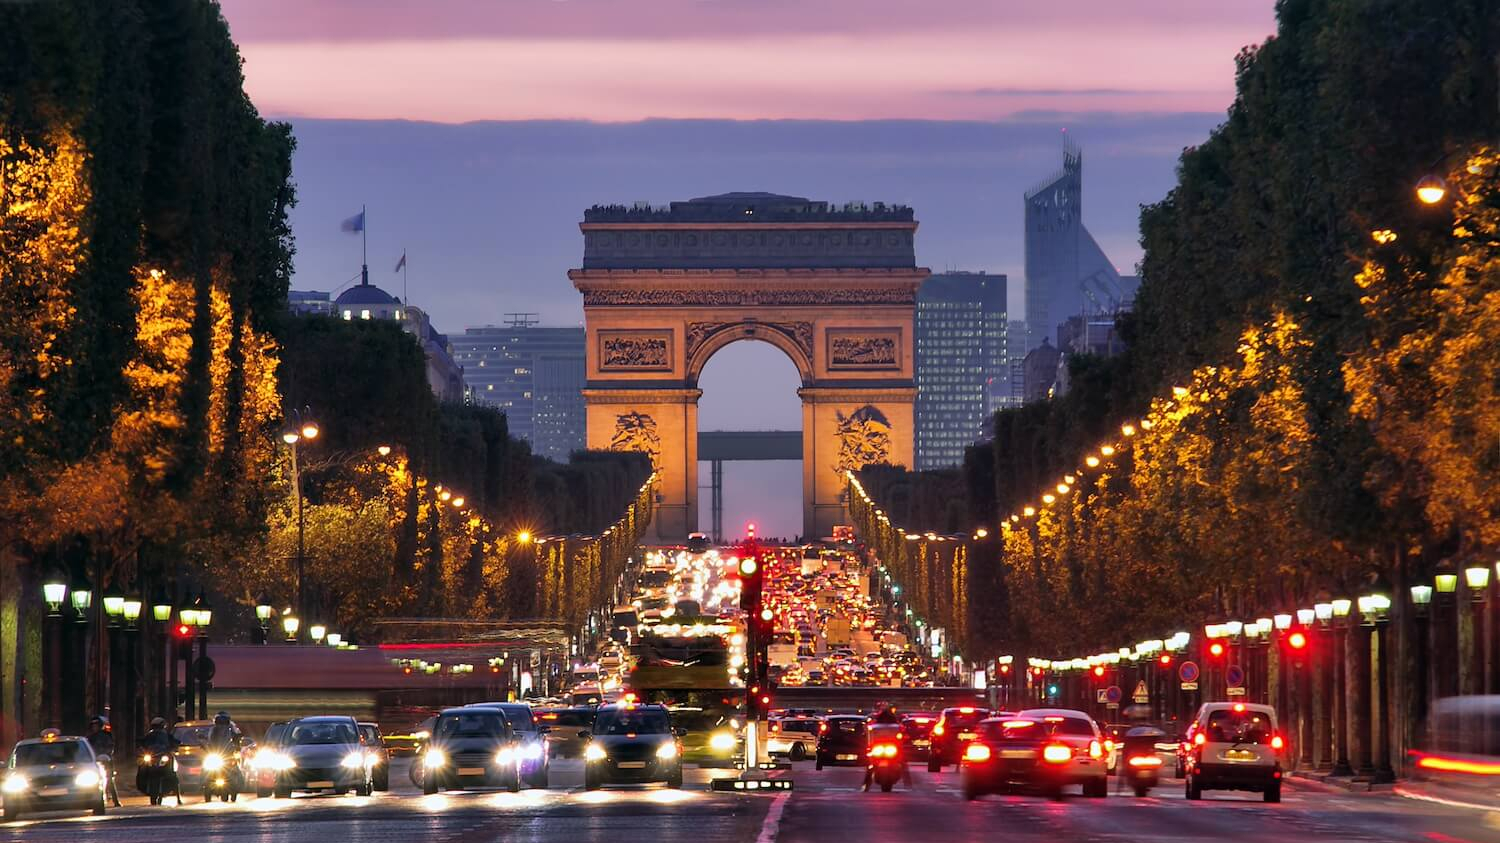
[405, 296]
[364, 245]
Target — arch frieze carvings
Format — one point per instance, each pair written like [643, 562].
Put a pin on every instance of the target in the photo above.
[656, 297]
[635, 351]
[637, 432]
[864, 349]
[800, 333]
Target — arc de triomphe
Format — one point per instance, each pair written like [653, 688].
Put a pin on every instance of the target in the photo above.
[665, 288]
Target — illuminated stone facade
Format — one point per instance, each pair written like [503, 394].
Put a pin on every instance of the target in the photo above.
[832, 287]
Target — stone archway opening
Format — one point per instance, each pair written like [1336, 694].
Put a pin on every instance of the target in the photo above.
[749, 418]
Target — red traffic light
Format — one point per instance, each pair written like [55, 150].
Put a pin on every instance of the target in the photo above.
[748, 566]
[750, 529]
[1004, 669]
[1165, 659]
[1296, 641]
[184, 631]
[1216, 649]
[1099, 671]
[766, 615]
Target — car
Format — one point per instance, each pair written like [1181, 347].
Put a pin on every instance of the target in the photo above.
[192, 749]
[380, 757]
[633, 744]
[320, 754]
[1042, 749]
[536, 764]
[795, 737]
[841, 740]
[1234, 746]
[53, 773]
[259, 769]
[471, 747]
[567, 728]
[916, 734]
[954, 729]
[697, 543]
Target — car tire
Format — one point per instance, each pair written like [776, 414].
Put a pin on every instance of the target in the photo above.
[13, 809]
[1194, 789]
[1096, 789]
[675, 781]
[283, 793]
[429, 785]
[1141, 790]
[934, 765]
[971, 792]
[799, 752]
[513, 782]
[885, 787]
[590, 781]
[365, 789]
[818, 763]
[1273, 792]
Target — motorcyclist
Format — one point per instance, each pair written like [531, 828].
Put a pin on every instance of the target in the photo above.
[885, 715]
[103, 742]
[223, 736]
[158, 741]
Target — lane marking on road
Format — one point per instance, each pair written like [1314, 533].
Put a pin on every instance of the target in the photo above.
[772, 824]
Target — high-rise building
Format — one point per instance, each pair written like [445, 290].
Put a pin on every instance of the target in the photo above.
[1067, 274]
[535, 374]
[962, 365]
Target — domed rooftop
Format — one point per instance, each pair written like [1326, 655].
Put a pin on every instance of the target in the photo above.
[365, 294]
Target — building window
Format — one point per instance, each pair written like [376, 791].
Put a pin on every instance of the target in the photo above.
[348, 314]
[364, 314]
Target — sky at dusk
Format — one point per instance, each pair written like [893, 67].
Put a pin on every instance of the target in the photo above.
[477, 131]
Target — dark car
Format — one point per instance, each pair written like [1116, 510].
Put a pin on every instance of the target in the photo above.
[380, 757]
[954, 729]
[567, 728]
[841, 740]
[916, 734]
[471, 747]
[535, 760]
[632, 744]
[321, 753]
[1045, 750]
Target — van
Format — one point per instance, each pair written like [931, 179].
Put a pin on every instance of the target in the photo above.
[1234, 746]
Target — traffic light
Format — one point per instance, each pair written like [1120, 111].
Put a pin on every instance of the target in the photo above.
[1098, 671]
[1216, 649]
[1165, 660]
[1297, 641]
[757, 701]
[752, 577]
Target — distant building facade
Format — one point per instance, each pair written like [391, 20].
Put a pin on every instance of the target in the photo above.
[962, 364]
[535, 374]
[1067, 274]
[367, 301]
[1040, 371]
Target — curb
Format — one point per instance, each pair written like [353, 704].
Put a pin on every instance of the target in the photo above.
[1339, 785]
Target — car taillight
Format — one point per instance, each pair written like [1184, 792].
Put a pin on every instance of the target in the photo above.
[1277, 743]
[1144, 761]
[976, 752]
[1199, 739]
[1109, 745]
[1095, 750]
[937, 730]
[1056, 753]
[775, 727]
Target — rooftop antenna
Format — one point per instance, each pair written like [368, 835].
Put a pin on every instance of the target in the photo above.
[521, 320]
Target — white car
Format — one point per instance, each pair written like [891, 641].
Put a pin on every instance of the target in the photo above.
[1234, 746]
[53, 773]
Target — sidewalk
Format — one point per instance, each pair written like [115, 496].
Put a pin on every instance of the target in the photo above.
[1321, 779]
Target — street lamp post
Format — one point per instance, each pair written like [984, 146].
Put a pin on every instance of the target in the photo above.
[1375, 609]
[1340, 610]
[299, 425]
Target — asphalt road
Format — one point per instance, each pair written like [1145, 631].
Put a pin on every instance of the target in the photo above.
[826, 807]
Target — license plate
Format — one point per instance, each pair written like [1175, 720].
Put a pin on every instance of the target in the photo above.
[320, 784]
[845, 757]
[194, 770]
[632, 765]
[1017, 753]
[471, 771]
[1239, 755]
[921, 743]
[53, 791]
[967, 736]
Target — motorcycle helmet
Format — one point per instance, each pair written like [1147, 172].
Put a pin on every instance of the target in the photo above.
[158, 722]
[221, 719]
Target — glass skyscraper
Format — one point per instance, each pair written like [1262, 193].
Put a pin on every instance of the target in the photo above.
[963, 369]
[535, 374]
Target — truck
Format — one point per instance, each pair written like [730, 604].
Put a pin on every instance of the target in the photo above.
[836, 631]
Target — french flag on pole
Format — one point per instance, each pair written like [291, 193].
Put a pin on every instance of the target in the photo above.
[354, 224]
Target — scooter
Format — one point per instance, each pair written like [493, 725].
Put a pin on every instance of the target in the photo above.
[886, 763]
[1140, 765]
[158, 776]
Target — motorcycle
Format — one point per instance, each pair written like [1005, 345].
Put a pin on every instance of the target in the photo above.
[222, 776]
[885, 759]
[111, 792]
[157, 776]
[1140, 766]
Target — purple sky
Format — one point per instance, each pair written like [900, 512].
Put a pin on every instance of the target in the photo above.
[477, 131]
[617, 60]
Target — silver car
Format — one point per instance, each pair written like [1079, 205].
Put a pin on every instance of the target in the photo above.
[53, 773]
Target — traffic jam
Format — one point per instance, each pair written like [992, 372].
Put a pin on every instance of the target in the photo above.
[753, 663]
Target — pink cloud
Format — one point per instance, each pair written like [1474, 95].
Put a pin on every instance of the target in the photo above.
[851, 59]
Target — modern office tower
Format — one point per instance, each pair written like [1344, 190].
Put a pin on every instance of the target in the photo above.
[1067, 274]
[962, 366]
[535, 374]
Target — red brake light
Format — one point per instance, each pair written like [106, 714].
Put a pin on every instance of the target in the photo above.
[1238, 707]
[937, 730]
[1144, 761]
[1109, 745]
[1277, 743]
[1199, 739]
[822, 727]
[976, 752]
[1095, 751]
[968, 709]
[1056, 753]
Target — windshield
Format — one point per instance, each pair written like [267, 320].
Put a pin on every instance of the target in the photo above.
[633, 720]
[569, 718]
[519, 717]
[954, 718]
[805, 726]
[477, 724]
[274, 733]
[191, 735]
[307, 734]
[850, 725]
[370, 734]
[1228, 726]
[38, 754]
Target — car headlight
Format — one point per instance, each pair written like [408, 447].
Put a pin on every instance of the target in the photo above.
[87, 778]
[531, 751]
[594, 752]
[666, 751]
[213, 762]
[505, 757]
[434, 758]
[15, 783]
[354, 761]
[273, 760]
[721, 741]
